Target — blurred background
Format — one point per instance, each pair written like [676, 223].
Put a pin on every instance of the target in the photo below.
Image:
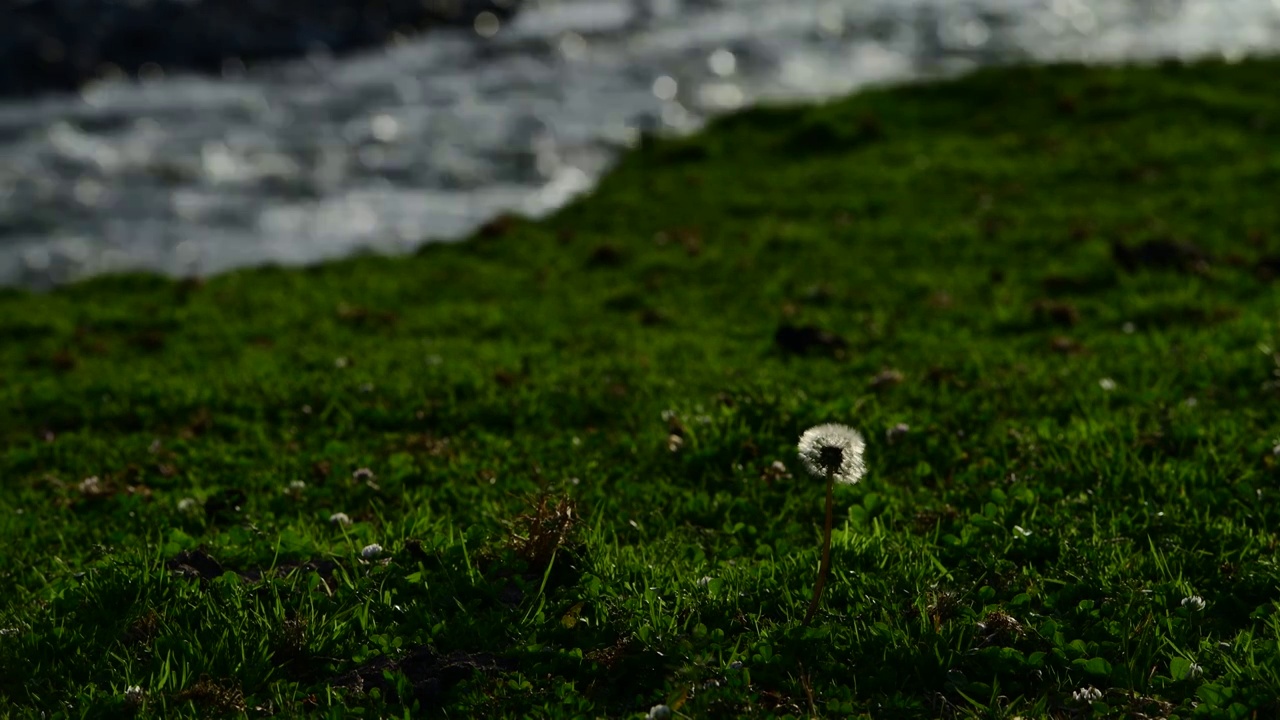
[193, 136]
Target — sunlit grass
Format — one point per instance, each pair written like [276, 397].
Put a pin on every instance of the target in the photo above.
[1044, 296]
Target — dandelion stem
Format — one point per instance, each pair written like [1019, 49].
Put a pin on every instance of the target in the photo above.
[825, 567]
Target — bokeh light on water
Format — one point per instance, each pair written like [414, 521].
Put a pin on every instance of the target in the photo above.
[434, 135]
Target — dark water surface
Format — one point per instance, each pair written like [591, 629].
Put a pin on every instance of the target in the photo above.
[429, 138]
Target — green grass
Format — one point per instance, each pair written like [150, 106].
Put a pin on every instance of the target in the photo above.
[547, 552]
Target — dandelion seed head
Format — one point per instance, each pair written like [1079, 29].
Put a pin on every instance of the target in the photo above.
[371, 551]
[835, 449]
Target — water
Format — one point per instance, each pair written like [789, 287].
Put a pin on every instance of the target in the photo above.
[429, 138]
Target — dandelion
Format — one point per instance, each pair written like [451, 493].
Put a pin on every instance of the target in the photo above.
[371, 551]
[1087, 694]
[1195, 603]
[659, 712]
[835, 452]
[340, 519]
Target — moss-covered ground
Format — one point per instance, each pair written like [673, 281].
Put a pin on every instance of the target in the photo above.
[1044, 295]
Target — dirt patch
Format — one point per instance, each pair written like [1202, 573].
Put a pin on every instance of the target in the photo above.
[1056, 313]
[220, 696]
[809, 339]
[196, 564]
[1160, 255]
[429, 673]
[200, 564]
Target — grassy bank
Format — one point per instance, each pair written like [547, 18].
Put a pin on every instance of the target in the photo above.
[1044, 295]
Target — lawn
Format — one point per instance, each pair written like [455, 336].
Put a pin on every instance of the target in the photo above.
[1045, 296]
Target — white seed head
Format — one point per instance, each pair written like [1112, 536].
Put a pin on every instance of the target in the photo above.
[340, 518]
[1194, 603]
[371, 551]
[833, 448]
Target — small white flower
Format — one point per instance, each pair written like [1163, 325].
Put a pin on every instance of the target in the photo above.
[340, 518]
[371, 551]
[1087, 694]
[1195, 670]
[341, 362]
[659, 712]
[187, 504]
[1127, 328]
[1194, 603]
[363, 473]
[297, 486]
[90, 485]
[833, 448]
[1107, 384]
[674, 442]
[897, 431]
[134, 695]
[704, 581]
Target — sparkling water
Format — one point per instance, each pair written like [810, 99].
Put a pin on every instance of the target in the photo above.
[427, 139]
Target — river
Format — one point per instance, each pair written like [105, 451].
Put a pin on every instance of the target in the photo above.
[428, 138]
